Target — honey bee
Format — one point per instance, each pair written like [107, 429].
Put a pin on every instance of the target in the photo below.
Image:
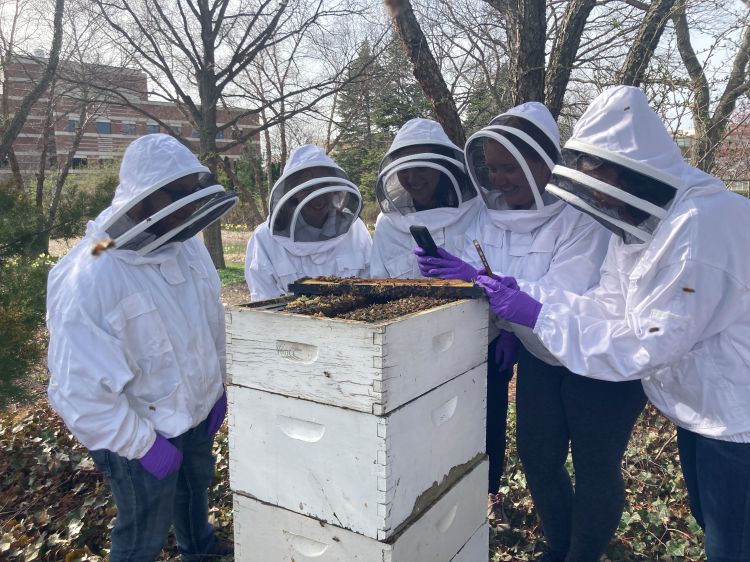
[101, 246]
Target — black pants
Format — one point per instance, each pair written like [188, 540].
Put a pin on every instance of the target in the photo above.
[557, 409]
[497, 417]
[717, 477]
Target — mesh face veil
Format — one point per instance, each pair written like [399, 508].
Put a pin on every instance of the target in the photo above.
[420, 177]
[313, 204]
[501, 159]
[172, 213]
[619, 194]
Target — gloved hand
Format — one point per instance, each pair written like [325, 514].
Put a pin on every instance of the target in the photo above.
[510, 303]
[447, 266]
[216, 415]
[506, 349]
[162, 459]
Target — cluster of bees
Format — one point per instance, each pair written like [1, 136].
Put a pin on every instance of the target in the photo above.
[361, 308]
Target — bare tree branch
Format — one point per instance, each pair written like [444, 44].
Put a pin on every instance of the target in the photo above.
[564, 50]
[12, 129]
[426, 70]
[640, 53]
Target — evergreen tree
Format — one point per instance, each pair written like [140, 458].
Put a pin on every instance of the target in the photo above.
[401, 98]
[484, 103]
[356, 100]
[376, 103]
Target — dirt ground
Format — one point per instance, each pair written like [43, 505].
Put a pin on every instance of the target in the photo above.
[235, 295]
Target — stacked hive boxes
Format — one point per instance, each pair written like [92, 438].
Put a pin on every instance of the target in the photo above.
[358, 441]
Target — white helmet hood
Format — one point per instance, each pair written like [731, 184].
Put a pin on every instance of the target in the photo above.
[422, 171]
[149, 164]
[620, 136]
[530, 124]
[312, 202]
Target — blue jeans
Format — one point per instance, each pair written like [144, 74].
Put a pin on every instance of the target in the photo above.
[147, 507]
[717, 476]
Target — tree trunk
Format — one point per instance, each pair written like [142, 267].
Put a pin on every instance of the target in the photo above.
[636, 63]
[209, 155]
[426, 70]
[564, 51]
[709, 130]
[269, 162]
[528, 46]
[47, 128]
[15, 169]
[19, 118]
[64, 170]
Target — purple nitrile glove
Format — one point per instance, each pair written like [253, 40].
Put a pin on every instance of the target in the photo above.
[447, 266]
[508, 303]
[216, 415]
[506, 349]
[508, 281]
[162, 459]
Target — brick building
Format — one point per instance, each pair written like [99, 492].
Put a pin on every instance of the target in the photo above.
[110, 126]
[732, 160]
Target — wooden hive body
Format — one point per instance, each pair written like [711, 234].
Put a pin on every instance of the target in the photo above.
[453, 529]
[371, 368]
[357, 427]
[367, 473]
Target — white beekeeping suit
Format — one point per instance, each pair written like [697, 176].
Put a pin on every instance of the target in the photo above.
[549, 242]
[137, 331]
[673, 305]
[421, 151]
[312, 229]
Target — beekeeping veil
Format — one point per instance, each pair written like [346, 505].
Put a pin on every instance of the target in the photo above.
[150, 164]
[422, 149]
[313, 200]
[530, 125]
[621, 165]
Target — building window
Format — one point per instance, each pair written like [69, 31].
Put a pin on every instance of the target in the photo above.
[103, 127]
[77, 163]
[72, 125]
[194, 133]
[128, 129]
[220, 134]
[152, 128]
[176, 129]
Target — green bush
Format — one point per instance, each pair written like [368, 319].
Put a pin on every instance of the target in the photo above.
[24, 233]
[22, 294]
[370, 211]
[81, 201]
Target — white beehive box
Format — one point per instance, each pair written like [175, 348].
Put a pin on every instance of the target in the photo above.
[369, 367]
[477, 549]
[264, 533]
[359, 471]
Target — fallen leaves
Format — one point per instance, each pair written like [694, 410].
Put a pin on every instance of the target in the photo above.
[55, 505]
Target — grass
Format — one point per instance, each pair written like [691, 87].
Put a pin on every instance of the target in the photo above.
[233, 273]
[233, 249]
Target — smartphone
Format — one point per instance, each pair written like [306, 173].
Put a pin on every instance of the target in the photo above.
[424, 240]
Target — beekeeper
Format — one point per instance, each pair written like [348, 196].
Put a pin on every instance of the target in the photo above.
[136, 350]
[421, 181]
[672, 308]
[312, 227]
[526, 230]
